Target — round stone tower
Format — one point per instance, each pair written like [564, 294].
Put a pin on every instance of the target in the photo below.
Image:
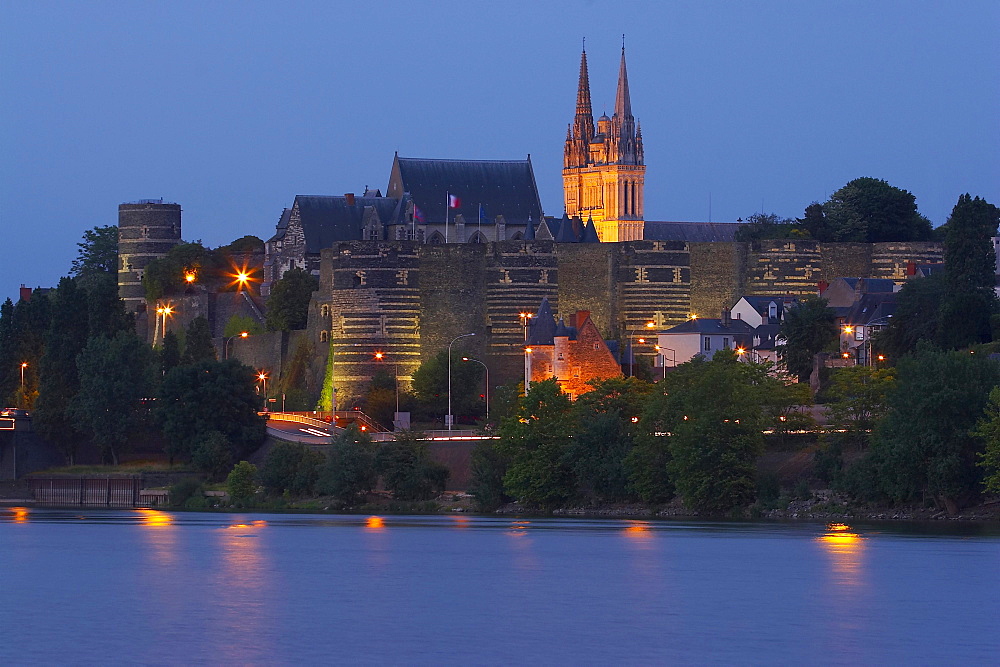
[147, 229]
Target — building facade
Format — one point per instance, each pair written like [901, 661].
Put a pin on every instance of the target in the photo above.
[603, 166]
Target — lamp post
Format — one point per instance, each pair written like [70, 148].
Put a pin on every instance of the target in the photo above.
[631, 354]
[262, 376]
[163, 312]
[527, 369]
[525, 320]
[487, 395]
[225, 348]
[395, 364]
[663, 358]
[450, 417]
[24, 364]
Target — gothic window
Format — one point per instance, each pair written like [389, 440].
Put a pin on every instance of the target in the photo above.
[324, 311]
[518, 236]
[323, 336]
[436, 239]
[477, 238]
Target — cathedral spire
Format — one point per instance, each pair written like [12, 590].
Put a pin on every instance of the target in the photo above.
[623, 105]
[584, 122]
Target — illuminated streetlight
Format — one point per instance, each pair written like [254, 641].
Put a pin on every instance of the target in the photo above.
[487, 394]
[527, 369]
[24, 364]
[631, 354]
[190, 277]
[225, 351]
[262, 376]
[451, 417]
[663, 358]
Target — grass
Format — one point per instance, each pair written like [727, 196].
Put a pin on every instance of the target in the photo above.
[132, 468]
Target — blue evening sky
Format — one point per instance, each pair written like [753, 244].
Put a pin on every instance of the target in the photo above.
[233, 108]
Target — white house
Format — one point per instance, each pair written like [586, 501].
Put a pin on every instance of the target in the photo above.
[702, 336]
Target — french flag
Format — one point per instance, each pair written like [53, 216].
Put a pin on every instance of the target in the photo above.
[453, 201]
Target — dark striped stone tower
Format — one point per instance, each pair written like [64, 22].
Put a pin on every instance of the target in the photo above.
[147, 229]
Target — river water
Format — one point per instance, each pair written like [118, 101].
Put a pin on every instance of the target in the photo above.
[150, 587]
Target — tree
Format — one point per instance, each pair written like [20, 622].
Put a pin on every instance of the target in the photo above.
[237, 324]
[198, 342]
[815, 223]
[924, 447]
[430, 384]
[869, 210]
[106, 314]
[208, 396]
[348, 473]
[857, 400]
[166, 275]
[807, 330]
[98, 252]
[59, 380]
[970, 267]
[988, 431]
[537, 440]
[288, 305]
[407, 469]
[759, 226]
[116, 378]
[488, 468]
[213, 455]
[607, 427]
[241, 483]
[716, 439]
[292, 468]
[917, 317]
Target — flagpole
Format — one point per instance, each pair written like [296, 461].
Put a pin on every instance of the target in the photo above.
[447, 205]
[480, 219]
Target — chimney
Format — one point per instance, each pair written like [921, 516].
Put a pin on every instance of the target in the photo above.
[350, 198]
[822, 286]
[725, 317]
[25, 293]
[581, 316]
[911, 269]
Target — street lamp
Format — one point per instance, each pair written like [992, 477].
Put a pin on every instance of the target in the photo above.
[24, 364]
[487, 395]
[225, 348]
[451, 418]
[525, 320]
[663, 358]
[262, 376]
[380, 356]
[631, 354]
[164, 311]
[527, 369]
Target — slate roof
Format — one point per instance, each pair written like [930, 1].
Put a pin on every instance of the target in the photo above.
[873, 308]
[706, 325]
[503, 187]
[765, 336]
[871, 285]
[327, 220]
[694, 232]
[762, 303]
[282, 227]
[542, 327]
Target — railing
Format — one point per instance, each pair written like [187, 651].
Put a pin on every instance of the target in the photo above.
[106, 491]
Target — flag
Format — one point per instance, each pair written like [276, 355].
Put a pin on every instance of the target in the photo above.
[418, 215]
[453, 201]
[482, 214]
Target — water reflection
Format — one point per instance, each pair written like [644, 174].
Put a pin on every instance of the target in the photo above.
[20, 514]
[159, 532]
[375, 523]
[244, 586]
[525, 558]
[846, 549]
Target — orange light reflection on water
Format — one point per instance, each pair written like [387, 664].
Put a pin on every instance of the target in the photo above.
[20, 514]
[155, 518]
[846, 548]
[375, 523]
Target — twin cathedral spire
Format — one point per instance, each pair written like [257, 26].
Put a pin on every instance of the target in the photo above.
[603, 167]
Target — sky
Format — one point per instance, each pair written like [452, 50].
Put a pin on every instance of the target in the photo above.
[232, 108]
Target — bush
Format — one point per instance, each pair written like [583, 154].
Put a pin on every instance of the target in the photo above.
[768, 487]
[184, 490]
[408, 472]
[212, 455]
[242, 483]
[349, 471]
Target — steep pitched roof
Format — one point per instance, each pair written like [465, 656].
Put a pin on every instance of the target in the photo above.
[590, 233]
[502, 187]
[872, 308]
[542, 327]
[694, 232]
[327, 220]
[567, 230]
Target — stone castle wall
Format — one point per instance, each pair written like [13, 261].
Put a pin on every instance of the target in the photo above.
[409, 300]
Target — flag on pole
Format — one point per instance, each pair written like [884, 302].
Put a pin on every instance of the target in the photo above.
[482, 214]
[418, 215]
[453, 201]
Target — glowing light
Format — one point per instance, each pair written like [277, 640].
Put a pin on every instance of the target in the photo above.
[190, 277]
[846, 355]
[528, 350]
[24, 364]
[642, 340]
[837, 527]
[262, 375]
[693, 316]
[848, 330]
[379, 355]
[637, 529]
[155, 518]
[20, 514]
[881, 357]
[650, 325]
[376, 522]
[740, 351]
[635, 420]
[244, 334]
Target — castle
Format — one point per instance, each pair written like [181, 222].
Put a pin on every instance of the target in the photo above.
[404, 273]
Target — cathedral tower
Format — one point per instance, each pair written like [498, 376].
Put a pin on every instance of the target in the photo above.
[603, 169]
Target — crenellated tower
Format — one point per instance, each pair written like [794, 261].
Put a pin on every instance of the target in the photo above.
[603, 168]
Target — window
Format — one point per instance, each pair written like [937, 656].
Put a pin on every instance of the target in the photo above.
[576, 371]
[708, 343]
[725, 343]
[560, 356]
[597, 346]
[859, 333]
[323, 336]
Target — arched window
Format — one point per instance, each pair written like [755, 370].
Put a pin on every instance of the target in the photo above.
[324, 336]
[518, 236]
[324, 311]
[477, 238]
[436, 239]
